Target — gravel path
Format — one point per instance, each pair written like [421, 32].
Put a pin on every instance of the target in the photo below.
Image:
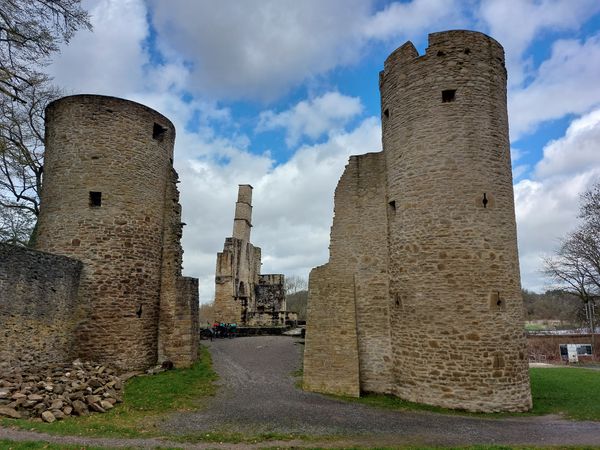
[257, 394]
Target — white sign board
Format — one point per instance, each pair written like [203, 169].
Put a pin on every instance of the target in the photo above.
[572, 351]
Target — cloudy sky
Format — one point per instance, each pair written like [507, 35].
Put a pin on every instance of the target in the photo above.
[279, 93]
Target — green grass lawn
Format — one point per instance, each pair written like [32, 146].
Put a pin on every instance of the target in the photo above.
[535, 327]
[573, 392]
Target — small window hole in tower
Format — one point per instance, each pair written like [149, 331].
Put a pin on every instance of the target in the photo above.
[138, 312]
[398, 300]
[386, 113]
[497, 303]
[158, 132]
[448, 95]
[392, 207]
[485, 200]
[95, 199]
[467, 51]
[441, 53]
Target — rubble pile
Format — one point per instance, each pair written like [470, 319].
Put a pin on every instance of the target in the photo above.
[59, 391]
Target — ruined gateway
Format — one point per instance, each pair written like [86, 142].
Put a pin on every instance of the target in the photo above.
[421, 295]
[242, 294]
[105, 283]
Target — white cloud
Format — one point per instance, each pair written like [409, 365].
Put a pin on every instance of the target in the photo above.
[413, 18]
[516, 24]
[293, 202]
[259, 48]
[108, 60]
[566, 83]
[547, 205]
[312, 118]
[577, 151]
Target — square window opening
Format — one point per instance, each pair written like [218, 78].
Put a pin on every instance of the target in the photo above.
[158, 131]
[448, 95]
[95, 199]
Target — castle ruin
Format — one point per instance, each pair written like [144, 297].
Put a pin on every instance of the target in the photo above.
[421, 296]
[242, 294]
[110, 204]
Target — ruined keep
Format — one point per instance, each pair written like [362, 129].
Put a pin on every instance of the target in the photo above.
[110, 200]
[242, 294]
[421, 296]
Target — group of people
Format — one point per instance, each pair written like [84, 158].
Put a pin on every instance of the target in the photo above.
[220, 330]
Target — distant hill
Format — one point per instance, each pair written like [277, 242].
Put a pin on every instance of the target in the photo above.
[552, 305]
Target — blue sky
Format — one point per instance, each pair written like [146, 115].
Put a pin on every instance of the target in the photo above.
[279, 93]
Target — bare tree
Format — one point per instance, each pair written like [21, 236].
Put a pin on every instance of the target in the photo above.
[30, 31]
[576, 265]
[295, 283]
[570, 269]
[22, 152]
[15, 226]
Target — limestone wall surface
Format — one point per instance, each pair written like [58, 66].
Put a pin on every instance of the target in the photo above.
[331, 346]
[38, 329]
[453, 248]
[109, 199]
[358, 249]
[181, 347]
[432, 242]
[178, 318]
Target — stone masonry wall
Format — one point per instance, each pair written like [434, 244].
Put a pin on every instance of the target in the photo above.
[454, 304]
[457, 314]
[178, 319]
[331, 346]
[359, 248]
[38, 329]
[182, 345]
[270, 293]
[367, 238]
[106, 201]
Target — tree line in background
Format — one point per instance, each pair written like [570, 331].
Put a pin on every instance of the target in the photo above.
[30, 32]
[553, 305]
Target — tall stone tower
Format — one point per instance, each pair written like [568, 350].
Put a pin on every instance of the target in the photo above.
[242, 294]
[110, 200]
[454, 314]
[238, 265]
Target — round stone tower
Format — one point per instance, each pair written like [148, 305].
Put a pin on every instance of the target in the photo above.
[107, 169]
[455, 298]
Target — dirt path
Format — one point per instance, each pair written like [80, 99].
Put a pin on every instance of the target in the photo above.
[257, 395]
